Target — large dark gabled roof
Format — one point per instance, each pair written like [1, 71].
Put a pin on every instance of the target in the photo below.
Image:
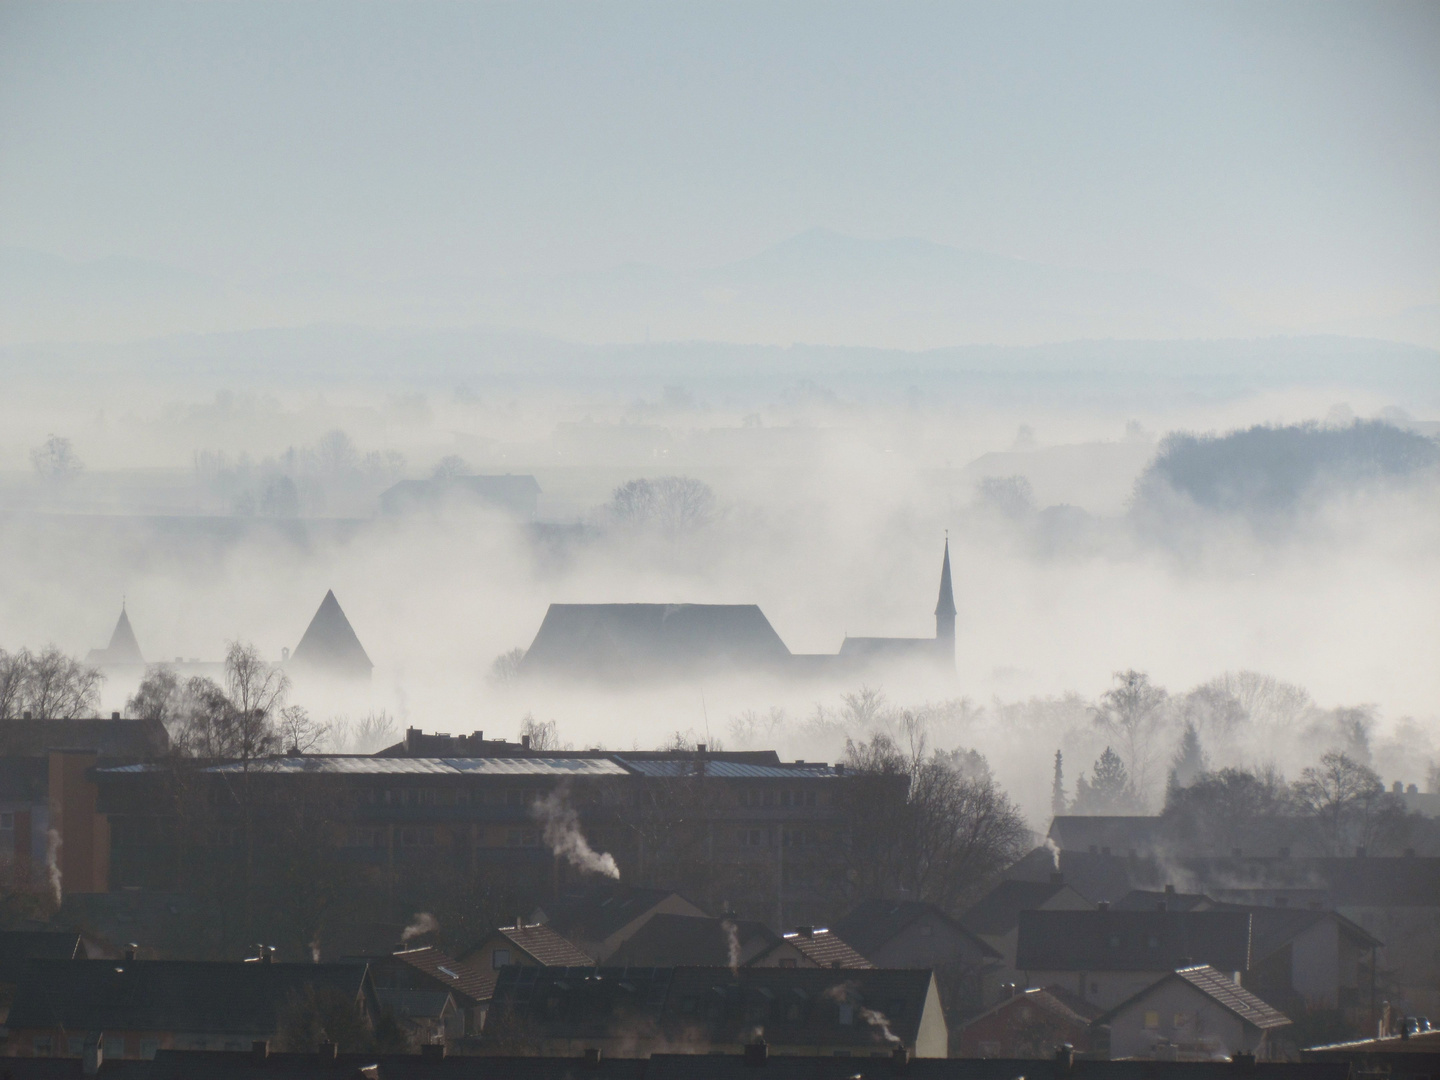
[469, 983]
[19, 946]
[133, 740]
[998, 911]
[168, 995]
[872, 923]
[675, 940]
[622, 641]
[1109, 940]
[596, 913]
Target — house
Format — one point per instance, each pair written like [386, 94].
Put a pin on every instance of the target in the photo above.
[1105, 956]
[428, 1017]
[1194, 1013]
[1027, 1024]
[689, 941]
[467, 985]
[329, 647]
[1403, 1054]
[911, 934]
[599, 920]
[1166, 899]
[823, 948]
[523, 945]
[145, 1005]
[634, 1012]
[517, 495]
[995, 917]
[1307, 959]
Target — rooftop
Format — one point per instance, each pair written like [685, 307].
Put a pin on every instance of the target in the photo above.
[1110, 940]
[824, 948]
[1219, 988]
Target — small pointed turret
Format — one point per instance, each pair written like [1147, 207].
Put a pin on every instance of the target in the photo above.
[123, 648]
[945, 607]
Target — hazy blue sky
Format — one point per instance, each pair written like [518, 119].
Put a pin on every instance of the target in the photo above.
[1287, 155]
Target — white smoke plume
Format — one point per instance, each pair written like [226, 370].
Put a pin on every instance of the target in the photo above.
[564, 838]
[315, 950]
[1054, 850]
[52, 863]
[876, 1019]
[424, 923]
[732, 945]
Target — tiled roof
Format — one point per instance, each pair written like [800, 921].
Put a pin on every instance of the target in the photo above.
[872, 923]
[1221, 989]
[596, 913]
[825, 949]
[397, 766]
[546, 946]
[1109, 940]
[464, 979]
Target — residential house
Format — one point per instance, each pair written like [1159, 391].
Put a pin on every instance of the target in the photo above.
[524, 945]
[145, 1005]
[1106, 956]
[469, 985]
[995, 917]
[602, 918]
[428, 1017]
[1193, 1014]
[634, 1012]
[912, 934]
[1027, 1024]
[687, 941]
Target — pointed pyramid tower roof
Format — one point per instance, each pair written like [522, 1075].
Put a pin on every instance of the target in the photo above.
[330, 644]
[123, 648]
[946, 604]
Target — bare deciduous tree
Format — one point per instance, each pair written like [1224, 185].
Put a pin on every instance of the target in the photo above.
[543, 735]
[675, 505]
[1348, 806]
[49, 685]
[1133, 712]
[505, 668]
[160, 696]
[55, 460]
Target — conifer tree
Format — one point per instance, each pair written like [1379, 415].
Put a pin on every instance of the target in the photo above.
[1057, 789]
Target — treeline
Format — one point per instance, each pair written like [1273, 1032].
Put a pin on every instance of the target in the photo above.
[47, 685]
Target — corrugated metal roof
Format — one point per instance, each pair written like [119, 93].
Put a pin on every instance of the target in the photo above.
[372, 766]
[728, 769]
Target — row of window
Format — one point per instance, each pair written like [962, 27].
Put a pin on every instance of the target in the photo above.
[420, 836]
[453, 796]
[770, 797]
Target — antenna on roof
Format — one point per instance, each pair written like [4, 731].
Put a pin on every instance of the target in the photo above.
[706, 714]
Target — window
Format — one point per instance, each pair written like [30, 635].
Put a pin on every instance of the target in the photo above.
[499, 958]
[1152, 1020]
[1181, 1020]
[148, 1048]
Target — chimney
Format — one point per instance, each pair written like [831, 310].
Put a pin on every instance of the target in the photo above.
[1169, 890]
[114, 716]
[1064, 1057]
[260, 1049]
[327, 1051]
[900, 1058]
[700, 748]
[432, 1050]
[1057, 878]
[1398, 787]
[756, 1054]
[840, 768]
[525, 742]
[94, 1052]
[1242, 1062]
[1103, 905]
[592, 1057]
[130, 950]
[412, 741]
[519, 922]
[805, 931]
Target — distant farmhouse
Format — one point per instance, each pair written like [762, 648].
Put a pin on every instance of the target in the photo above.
[515, 495]
[627, 642]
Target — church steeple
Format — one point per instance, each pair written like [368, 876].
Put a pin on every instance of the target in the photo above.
[945, 607]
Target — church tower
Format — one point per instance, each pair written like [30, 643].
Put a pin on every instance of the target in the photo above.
[945, 608]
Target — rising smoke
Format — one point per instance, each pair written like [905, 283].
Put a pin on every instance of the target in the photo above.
[423, 923]
[562, 835]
